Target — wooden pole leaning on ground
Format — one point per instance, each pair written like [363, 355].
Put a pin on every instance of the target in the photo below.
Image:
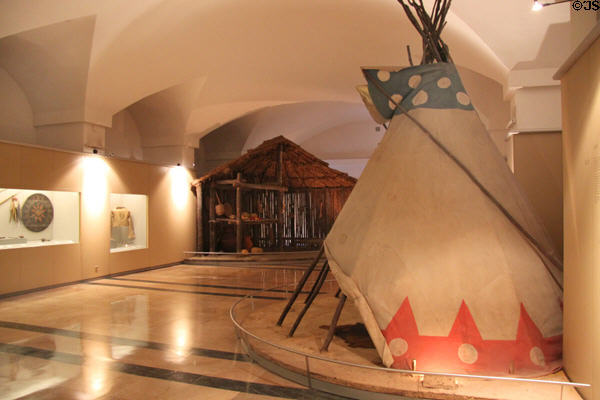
[312, 289]
[334, 321]
[311, 297]
[299, 286]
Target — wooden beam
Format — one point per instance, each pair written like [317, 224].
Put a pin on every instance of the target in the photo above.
[279, 212]
[280, 166]
[246, 185]
[280, 198]
[199, 220]
[238, 215]
[211, 213]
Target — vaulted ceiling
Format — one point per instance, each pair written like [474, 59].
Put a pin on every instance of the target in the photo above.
[182, 68]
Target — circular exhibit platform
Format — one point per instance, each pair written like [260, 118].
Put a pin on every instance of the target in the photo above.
[356, 372]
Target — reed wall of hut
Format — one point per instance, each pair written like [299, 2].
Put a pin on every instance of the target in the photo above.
[297, 216]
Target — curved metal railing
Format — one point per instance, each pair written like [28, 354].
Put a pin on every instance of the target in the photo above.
[244, 333]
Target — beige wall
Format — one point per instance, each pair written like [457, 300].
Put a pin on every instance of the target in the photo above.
[537, 161]
[171, 218]
[581, 152]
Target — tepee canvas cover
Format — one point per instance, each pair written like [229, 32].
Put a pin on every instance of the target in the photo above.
[437, 246]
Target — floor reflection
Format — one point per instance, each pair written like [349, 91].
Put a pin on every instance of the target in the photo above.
[26, 366]
[129, 319]
[158, 334]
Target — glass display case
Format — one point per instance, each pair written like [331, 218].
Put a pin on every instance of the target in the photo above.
[128, 222]
[31, 218]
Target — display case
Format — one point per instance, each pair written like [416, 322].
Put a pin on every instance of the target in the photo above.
[128, 222]
[32, 218]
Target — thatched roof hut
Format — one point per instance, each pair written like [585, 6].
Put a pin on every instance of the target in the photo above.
[301, 169]
[292, 196]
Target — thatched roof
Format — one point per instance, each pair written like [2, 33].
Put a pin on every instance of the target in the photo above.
[300, 168]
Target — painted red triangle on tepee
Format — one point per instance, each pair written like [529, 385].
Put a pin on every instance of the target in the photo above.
[465, 351]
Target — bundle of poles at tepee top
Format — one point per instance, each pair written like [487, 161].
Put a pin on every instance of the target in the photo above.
[430, 27]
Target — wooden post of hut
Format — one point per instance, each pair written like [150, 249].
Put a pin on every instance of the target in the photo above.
[199, 224]
[238, 213]
[211, 218]
[280, 199]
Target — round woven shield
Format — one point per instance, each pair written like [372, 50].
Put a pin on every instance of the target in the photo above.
[37, 212]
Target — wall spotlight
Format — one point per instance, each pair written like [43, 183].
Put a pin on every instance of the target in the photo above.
[538, 6]
[180, 186]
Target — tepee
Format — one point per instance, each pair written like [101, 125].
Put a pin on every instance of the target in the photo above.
[436, 245]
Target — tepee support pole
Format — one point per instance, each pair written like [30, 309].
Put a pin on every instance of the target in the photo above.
[299, 286]
[333, 325]
[337, 294]
[312, 289]
[410, 60]
[537, 245]
[311, 298]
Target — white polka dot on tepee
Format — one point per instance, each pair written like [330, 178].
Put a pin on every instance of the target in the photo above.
[395, 98]
[467, 353]
[463, 98]
[444, 83]
[537, 356]
[398, 347]
[414, 81]
[420, 98]
[383, 76]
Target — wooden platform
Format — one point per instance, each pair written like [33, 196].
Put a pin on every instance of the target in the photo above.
[288, 258]
[361, 381]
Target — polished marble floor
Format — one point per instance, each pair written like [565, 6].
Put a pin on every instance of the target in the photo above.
[159, 334]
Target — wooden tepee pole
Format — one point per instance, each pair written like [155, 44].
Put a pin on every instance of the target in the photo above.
[299, 286]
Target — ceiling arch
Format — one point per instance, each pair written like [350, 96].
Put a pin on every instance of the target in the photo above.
[249, 56]
[262, 51]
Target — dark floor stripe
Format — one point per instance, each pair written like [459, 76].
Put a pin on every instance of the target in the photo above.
[59, 285]
[224, 355]
[165, 374]
[183, 291]
[206, 285]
